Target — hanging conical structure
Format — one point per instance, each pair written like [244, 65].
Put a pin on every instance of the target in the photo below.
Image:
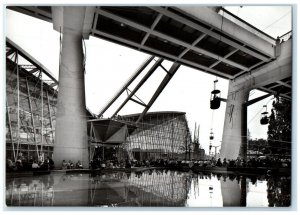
[211, 135]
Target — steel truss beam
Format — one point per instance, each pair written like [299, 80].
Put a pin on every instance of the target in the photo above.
[157, 19]
[208, 32]
[132, 78]
[33, 11]
[253, 101]
[160, 88]
[169, 38]
[161, 53]
[283, 83]
[275, 93]
[144, 79]
[30, 59]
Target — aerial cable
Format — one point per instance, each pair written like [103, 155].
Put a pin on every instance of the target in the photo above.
[277, 20]
[211, 134]
[60, 50]
[212, 119]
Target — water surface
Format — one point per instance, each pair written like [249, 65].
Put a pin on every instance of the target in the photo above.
[152, 188]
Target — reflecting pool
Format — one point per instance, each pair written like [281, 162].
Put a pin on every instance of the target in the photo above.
[162, 188]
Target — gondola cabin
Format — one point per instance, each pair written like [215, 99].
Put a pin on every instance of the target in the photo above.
[211, 136]
[215, 98]
[264, 117]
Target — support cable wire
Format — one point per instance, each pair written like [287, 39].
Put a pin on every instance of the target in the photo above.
[284, 15]
[60, 53]
[36, 97]
[236, 136]
[212, 120]
[18, 103]
[13, 90]
[84, 55]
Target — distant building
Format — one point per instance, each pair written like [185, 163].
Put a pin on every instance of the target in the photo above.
[30, 112]
[31, 99]
[160, 135]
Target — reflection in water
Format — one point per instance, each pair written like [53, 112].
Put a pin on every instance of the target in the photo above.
[231, 193]
[279, 192]
[149, 188]
[33, 192]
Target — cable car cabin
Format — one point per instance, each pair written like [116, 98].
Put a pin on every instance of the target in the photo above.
[211, 136]
[264, 118]
[215, 100]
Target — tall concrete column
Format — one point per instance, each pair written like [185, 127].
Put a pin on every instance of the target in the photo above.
[234, 139]
[71, 122]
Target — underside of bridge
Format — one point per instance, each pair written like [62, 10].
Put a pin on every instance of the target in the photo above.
[200, 37]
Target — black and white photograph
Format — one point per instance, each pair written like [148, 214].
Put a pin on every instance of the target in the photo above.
[146, 106]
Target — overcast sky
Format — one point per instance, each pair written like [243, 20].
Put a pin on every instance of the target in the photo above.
[108, 66]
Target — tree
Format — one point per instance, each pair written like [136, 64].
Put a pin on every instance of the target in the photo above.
[280, 127]
[258, 145]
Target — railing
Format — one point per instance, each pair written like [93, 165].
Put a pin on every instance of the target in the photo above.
[286, 36]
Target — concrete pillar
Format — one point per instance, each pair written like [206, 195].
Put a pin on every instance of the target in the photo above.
[71, 122]
[234, 141]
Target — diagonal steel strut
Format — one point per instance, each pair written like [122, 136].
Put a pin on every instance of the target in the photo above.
[134, 76]
[160, 88]
[138, 86]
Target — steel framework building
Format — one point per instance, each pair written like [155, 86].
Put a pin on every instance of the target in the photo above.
[31, 100]
[31, 97]
[159, 135]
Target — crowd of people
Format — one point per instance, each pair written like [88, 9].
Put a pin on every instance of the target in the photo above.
[22, 164]
[252, 162]
[98, 163]
[70, 165]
